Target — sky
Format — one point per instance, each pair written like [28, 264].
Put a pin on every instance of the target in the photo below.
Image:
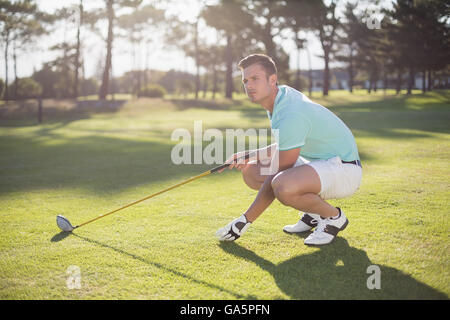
[155, 56]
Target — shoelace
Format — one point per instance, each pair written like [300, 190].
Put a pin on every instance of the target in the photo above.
[321, 224]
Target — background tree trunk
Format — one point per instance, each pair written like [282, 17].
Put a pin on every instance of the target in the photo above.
[6, 94]
[350, 73]
[214, 82]
[326, 74]
[430, 83]
[77, 54]
[398, 84]
[16, 78]
[205, 84]
[229, 71]
[424, 77]
[106, 72]
[197, 62]
[410, 80]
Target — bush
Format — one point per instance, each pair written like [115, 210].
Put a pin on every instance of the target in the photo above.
[152, 91]
[27, 88]
[89, 86]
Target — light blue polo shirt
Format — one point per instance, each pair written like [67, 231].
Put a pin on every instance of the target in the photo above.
[304, 124]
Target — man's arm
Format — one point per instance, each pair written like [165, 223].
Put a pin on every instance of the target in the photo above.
[265, 194]
[233, 230]
[262, 155]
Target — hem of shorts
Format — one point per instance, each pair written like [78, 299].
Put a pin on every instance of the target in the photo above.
[320, 178]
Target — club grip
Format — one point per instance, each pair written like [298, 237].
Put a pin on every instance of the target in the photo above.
[227, 164]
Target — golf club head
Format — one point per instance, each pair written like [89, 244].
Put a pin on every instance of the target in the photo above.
[64, 224]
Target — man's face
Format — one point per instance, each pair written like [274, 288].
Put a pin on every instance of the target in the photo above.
[257, 86]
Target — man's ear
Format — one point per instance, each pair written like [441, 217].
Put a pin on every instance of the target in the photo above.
[273, 80]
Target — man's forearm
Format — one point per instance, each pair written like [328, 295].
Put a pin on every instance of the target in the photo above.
[263, 200]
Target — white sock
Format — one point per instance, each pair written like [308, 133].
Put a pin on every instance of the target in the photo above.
[338, 216]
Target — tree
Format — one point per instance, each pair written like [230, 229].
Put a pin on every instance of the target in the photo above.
[65, 65]
[93, 18]
[185, 36]
[27, 88]
[70, 17]
[325, 23]
[420, 31]
[348, 41]
[269, 18]
[209, 58]
[228, 17]
[433, 18]
[297, 19]
[20, 21]
[137, 26]
[109, 43]
[78, 50]
[370, 55]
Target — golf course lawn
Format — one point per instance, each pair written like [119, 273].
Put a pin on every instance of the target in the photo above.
[88, 160]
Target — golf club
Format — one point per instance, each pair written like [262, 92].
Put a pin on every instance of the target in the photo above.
[65, 225]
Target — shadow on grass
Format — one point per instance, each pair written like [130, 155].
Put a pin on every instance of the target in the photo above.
[336, 271]
[247, 110]
[61, 112]
[183, 104]
[104, 164]
[386, 116]
[60, 236]
[97, 163]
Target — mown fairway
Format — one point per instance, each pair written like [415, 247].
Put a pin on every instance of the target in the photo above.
[85, 161]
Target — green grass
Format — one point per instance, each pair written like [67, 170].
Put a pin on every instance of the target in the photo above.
[84, 161]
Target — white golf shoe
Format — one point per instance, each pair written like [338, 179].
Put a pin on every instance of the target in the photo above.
[327, 229]
[306, 223]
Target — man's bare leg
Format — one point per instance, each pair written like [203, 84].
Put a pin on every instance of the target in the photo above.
[296, 187]
[299, 188]
[251, 175]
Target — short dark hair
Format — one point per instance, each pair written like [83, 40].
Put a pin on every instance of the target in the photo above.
[263, 60]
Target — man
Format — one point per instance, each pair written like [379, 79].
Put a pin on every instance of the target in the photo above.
[315, 151]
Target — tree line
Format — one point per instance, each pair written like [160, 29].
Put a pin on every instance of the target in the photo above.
[411, 38]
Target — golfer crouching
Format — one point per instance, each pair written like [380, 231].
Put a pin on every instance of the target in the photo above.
[315, 158]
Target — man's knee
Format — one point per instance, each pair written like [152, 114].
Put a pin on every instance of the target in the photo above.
[251, 176]
[282, 190]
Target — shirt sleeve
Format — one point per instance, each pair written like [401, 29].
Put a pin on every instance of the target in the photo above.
[291, 132]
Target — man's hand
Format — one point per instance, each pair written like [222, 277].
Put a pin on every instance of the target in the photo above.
[237, 161]
[262, 155]
[234, 229]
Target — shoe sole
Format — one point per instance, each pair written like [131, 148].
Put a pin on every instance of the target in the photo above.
[322, 244]
[344, 225]
[300, 232]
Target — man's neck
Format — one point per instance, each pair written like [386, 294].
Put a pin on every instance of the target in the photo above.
[270, 101]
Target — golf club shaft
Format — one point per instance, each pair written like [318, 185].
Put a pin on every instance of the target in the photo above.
[165, 190]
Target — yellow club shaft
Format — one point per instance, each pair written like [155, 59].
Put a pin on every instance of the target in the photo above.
[148, 197]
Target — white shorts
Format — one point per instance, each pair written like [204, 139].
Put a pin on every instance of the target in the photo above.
[338, 180]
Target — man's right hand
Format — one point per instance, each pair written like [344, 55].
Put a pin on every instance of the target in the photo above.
[237, 161]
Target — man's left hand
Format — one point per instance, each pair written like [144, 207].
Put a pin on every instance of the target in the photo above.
[234, 229]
